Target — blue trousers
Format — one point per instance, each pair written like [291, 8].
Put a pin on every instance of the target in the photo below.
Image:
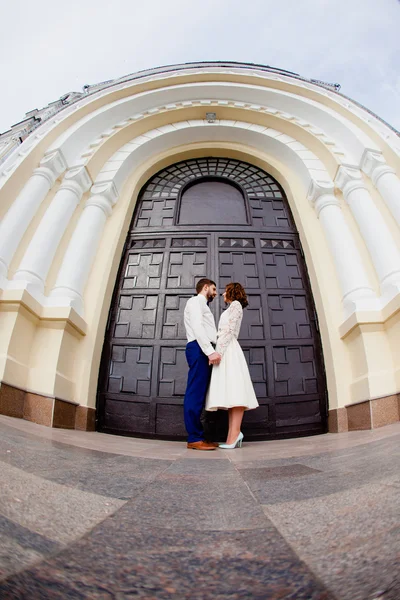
[196, 390]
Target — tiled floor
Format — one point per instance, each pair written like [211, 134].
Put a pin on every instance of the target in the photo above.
[88, 515]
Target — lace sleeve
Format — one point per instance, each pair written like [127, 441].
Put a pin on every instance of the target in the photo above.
[231, 327]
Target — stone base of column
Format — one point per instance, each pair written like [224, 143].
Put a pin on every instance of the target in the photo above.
[54, 412]
[367, 414]
[85, 418]
[337, 420]
[51, 412]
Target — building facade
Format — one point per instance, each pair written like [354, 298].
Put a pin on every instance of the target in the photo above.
[115, 201]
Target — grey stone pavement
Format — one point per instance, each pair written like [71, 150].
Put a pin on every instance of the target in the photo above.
[89, 515]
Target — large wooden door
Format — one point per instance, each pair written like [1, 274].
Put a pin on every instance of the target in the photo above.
[230, 221]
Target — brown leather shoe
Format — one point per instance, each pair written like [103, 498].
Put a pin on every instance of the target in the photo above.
[215, 444]
[202, 445]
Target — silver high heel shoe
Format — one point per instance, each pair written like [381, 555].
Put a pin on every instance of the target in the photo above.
[236, 444]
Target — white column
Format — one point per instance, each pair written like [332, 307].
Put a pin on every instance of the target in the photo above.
[356, 288]
[384, 179]
[377, 237]
[23, 209]
[78, 259]
[40, 253]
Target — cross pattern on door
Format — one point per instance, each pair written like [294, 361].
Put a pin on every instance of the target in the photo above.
[131, 372]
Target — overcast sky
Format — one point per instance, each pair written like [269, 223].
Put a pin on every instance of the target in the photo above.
[49, 47]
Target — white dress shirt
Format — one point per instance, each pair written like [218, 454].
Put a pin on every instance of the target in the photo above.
[200, 324]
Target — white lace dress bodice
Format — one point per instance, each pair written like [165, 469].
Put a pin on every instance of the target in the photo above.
[229, 326]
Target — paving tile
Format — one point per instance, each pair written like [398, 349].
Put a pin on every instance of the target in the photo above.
[26, 538]
[163, 564]
[201, 467]
[264, 521]
[324, 460]
[273, 449]
[121, 486]
[216, 454]
[96, 472]
[350, 539]
[55, 511]
[20, 547]
[277, 472]
[321, 475]
[179, 500]
[15, 557]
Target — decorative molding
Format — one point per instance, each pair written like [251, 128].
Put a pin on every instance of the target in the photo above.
[51, 166]
[91, 93]
[322, 194]
[54, 161]
[348, 179]
[325, 201]
[330, 144]
[318, 189]
[113, 169]
[100, 202]
[104, 196]
[281, 244]
[236, 242]
[77, 180]
[21, 298]
[46, 173]
[153, 243]
[374, 165]
[189, 243]
[106, 189]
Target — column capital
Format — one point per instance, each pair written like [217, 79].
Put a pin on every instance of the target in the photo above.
[322, 194]
[349, 178]
[374, 165]
[51, 166]
[319, 188]
[103, 195]
[106, 189]
[55, 161]
[77, 180]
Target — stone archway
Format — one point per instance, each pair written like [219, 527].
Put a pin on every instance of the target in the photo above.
[228, 220]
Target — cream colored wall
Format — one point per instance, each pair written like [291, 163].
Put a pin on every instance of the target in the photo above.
[392, 327]
[56, 353]
[18, 326]
[373, 344]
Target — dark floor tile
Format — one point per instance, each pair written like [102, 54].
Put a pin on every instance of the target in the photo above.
[96, 472]
[316, 476]
[195, 528]
[357, 455]
[27, 538]
[176, 500]
[161, 564]
[113, 485]
[201, 467]
[281, 472]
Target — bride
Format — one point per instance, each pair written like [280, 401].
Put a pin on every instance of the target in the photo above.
[230, 386]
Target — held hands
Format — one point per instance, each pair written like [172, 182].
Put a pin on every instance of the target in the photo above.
[214, 358]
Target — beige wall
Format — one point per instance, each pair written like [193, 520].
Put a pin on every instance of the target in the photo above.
[54, 352]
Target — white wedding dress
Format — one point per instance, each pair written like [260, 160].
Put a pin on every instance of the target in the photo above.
[230, 383]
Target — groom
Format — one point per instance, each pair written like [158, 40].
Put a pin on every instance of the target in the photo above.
[201, 335]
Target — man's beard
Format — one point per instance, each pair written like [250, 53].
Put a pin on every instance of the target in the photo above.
[210, 298]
